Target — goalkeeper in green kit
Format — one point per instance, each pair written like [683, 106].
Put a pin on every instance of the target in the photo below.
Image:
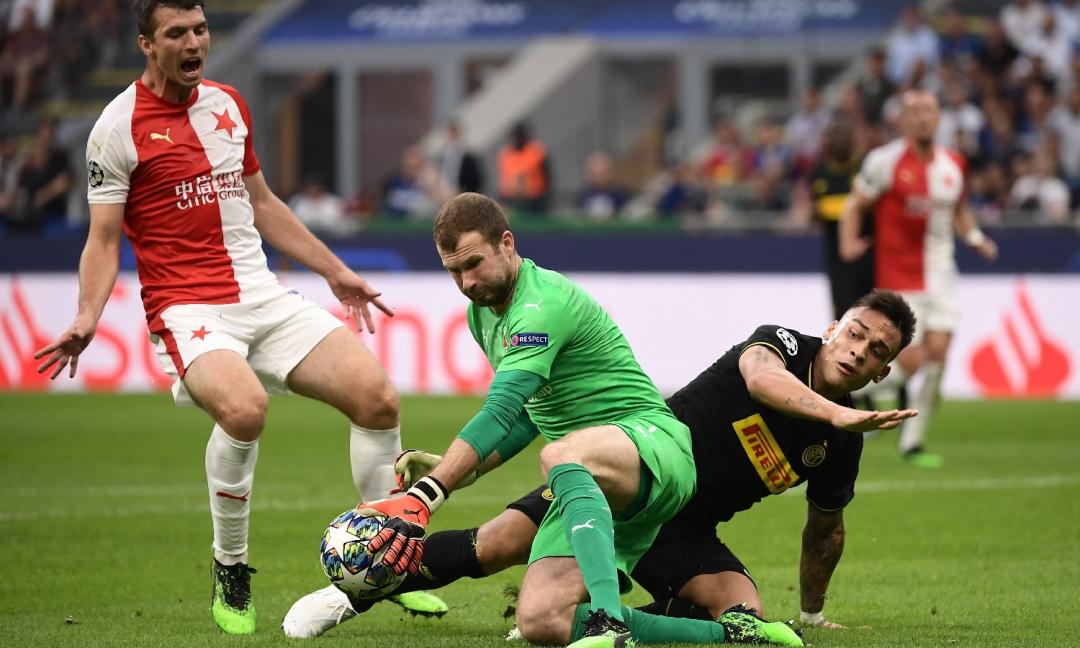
[618, 461]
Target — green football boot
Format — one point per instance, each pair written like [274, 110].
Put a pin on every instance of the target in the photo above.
[602, 631]
[231, 604]
[420, 603]
[922, 459]
[741, 626]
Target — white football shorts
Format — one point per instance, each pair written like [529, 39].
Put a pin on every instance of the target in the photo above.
[273, 335]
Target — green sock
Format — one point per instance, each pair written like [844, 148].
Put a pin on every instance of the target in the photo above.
[587, 524]
[651, 628]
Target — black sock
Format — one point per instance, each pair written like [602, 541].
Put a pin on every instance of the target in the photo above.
[448, 556]
[676, 607]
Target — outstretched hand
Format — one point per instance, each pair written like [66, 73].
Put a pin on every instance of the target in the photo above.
[355, 295]
[853, 420]
[65, 350]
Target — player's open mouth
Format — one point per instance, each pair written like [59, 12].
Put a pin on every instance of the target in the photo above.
[190, 67]
[846, 368]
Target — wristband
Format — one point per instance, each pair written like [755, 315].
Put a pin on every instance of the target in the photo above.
[811, 618]
[429, 491]
[974, 237]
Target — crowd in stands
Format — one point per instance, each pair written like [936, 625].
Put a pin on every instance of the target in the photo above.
[47, 50]
[1009, 87]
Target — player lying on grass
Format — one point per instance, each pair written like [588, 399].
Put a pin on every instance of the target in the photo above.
[562, 369]
[772, 412]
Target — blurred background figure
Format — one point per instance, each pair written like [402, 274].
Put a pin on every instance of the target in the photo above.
[460, 169]
[911, 41]
[24, 55]
[1038, 193]
[416, 189]
[42, 186]
[830, 184]
[319, 209]
[524, 172]
[601, 198]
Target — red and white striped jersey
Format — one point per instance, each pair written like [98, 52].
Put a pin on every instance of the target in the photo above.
[179, 170]
[916, 203]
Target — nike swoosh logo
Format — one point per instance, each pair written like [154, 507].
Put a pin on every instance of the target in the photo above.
[586, 525]
[241, 498]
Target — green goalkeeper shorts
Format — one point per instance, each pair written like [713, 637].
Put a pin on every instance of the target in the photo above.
[663, 443]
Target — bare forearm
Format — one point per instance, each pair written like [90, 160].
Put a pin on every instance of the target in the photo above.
[781, 391]
[283, 230]
[98, 267]
[460, 460]
[964, 221]
[820, 555]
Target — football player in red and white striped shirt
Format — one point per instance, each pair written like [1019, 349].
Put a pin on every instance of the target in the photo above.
[172, 165]
[916, 191]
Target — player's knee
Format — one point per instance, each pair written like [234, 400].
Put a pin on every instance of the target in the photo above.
[557, 452]
[244, 418]
[540, 624]
[378, 408]
[497, 549]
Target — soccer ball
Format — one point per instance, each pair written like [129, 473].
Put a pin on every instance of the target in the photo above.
[347, 561]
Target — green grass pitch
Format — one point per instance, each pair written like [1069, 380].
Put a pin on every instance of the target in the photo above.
[104, 530]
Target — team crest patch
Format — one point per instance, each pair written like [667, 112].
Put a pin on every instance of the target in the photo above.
[529, 340]
[94, 174]
[813, 456]
[548, 495]
[790, 343]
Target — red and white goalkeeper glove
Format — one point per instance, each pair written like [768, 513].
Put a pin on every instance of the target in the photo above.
[407, 521]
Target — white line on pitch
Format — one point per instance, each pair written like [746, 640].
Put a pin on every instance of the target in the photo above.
[72, 510]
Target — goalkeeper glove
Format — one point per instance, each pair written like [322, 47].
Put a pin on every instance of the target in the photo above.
[407, 520]
[412, 465]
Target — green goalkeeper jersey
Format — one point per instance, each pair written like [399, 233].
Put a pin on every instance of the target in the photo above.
[555, 330]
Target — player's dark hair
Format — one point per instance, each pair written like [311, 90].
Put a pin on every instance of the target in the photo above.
[144, 12]
[469, 212]
[893, 306]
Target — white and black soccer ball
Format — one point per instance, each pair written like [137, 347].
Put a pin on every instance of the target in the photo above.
[347, 561]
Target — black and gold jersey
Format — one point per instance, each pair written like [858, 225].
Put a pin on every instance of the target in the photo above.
[745, 451]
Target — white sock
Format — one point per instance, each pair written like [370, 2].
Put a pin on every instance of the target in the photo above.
[887, 388]
[924, 399]
[373, 453]
[230, 471]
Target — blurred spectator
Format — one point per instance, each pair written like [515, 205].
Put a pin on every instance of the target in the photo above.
[23, 58]
[911, 41]
[684, 195]
[998, 142]
[1067, 13]
[10, 160]
[987, 190]
[524, 172]
[44, 181]
[961, 122]
[319, 209]
[1023, 21]
[874, 87]
[459, 168]
[771, 153]
[601, 198]
[729, 160]
[40, 12]
[997, 54]
[1064, 124]
[415, 189]
[1033, 116]
[1053, 47]
[1037, 191]
[958, 45]
[804, 129]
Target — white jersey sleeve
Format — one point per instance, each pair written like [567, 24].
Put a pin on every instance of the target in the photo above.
[110, 153]
[876, 174]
